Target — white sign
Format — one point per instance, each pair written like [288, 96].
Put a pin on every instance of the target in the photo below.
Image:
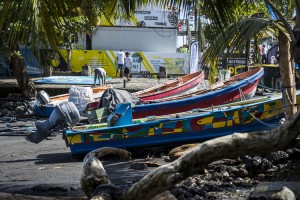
[147, 18]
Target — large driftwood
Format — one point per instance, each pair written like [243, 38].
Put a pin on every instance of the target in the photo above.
[195, 160]
[94, 174]
[181, 150]
[231, 146]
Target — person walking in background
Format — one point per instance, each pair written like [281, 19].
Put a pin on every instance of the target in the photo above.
[121, 60]
[100, 73]
[128, 65]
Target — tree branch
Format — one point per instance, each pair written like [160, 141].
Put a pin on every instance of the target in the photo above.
[231, 146]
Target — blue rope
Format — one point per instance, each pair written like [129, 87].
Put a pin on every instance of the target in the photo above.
[264, 123]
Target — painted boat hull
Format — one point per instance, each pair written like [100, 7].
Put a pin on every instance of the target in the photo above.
[245, 86]
[171, 88]
[184, 128]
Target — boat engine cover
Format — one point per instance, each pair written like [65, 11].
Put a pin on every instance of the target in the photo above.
[42, 97]
[63, 113]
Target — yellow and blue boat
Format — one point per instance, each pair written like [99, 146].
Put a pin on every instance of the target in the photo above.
[122, 131]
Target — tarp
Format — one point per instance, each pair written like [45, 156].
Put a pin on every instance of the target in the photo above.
[32, 64]
[73, 80]
[112, 97]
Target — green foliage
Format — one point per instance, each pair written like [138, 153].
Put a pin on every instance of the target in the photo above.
[232, 25]
[16, 54]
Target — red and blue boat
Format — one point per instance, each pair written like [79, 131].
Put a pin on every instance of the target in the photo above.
[171, 87]
[240, 87]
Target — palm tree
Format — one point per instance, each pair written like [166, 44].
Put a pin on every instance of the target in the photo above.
[34, 24]
[44, 23]
[234, 32]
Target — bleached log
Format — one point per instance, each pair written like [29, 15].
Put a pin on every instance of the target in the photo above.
[94, 174]
[181, 150]
[194, 161]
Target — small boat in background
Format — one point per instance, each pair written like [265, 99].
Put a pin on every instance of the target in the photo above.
[172, 87]
[50, 102]
[122, 131]
[240, 87]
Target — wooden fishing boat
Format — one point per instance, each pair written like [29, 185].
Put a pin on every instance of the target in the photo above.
[46, 110]
[239, 87]
[172, 87]
[180, 128]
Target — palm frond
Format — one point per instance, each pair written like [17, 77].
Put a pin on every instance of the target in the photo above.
[235, 36]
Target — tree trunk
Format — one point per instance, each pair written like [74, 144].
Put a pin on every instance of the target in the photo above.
[287, 72]
[47, 70]
[26, 86]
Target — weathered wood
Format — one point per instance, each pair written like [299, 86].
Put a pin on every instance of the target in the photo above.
[181, 150]
[231, 146]
[9, 196]
[94, 174]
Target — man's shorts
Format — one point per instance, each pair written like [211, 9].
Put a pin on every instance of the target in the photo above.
[126, 70]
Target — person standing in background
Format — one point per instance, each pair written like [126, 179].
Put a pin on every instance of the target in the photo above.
[128, 65]
[263, 54]
[121, 60]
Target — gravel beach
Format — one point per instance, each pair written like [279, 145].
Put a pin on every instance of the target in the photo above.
[48, 170]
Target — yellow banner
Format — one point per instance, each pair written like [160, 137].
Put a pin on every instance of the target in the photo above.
[175, 63]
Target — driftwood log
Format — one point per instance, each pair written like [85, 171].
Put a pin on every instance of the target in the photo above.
[94, 177]
[197, 159]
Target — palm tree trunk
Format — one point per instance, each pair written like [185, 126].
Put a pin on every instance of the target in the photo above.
[287, 75]
[26, 86]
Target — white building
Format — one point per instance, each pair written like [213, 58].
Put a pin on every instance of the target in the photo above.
[156, 32]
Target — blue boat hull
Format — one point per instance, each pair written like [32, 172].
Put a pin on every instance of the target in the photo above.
[165, 140]
[181, 128]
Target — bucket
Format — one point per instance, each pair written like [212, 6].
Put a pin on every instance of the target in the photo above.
[86, 71]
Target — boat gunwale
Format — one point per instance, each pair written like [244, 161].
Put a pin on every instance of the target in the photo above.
[151, 91]
[219, 91]
[231, 108]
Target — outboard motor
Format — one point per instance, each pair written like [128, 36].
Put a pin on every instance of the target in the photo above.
[42, 97]
[65, 112]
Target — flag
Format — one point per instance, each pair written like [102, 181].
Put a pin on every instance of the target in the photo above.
[194, 57]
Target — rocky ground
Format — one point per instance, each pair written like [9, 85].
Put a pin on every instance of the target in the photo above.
[49, 170]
